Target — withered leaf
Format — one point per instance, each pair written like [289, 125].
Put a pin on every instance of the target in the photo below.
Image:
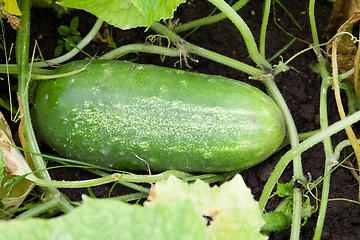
[12, 20]
[342, 11]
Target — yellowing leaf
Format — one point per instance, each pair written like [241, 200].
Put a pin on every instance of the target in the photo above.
[12, 164]
[11, 7]
[15, 163]
[12, 199]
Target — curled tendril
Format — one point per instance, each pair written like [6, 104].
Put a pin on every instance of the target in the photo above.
[184, 52]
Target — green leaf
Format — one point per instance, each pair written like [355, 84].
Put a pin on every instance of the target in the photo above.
[127, 14]
[111, 219]
[230, 210]
[68, 43]
[307, 210]
[74, 39]
[75, 32]
[63, 30]
[71, 42]
[58, 50]
[285, 190]
[74, 24]
[176, 211]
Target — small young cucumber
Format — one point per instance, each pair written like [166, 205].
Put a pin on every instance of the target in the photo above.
[138, 117]
[275, 222]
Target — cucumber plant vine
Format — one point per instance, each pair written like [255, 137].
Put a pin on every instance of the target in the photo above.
[264, 72]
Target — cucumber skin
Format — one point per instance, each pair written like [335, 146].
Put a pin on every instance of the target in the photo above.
[127, 116]
[275, 222]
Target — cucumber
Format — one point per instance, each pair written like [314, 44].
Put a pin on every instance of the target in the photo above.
[275, 222]
[137, 117]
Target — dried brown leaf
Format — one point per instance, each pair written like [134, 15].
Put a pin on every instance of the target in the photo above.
[342, 11]
[12, 20]
[346, 47]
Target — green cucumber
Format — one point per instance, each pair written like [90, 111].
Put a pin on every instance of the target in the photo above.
[275, 222]
[137, 117]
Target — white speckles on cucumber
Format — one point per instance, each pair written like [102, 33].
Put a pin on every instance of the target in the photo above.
[144, 145]
[64, 120]
[196, 118]
[105, 149]
[156, 123]
[163, 89]
[184, 83]
[95, 90]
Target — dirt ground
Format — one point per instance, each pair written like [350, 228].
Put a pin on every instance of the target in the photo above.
[300, 87]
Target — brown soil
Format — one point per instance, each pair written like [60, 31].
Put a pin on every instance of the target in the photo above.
[299, 86]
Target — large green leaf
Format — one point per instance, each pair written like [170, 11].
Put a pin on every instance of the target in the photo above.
[126, 14]
[99, 219]
[231, 211]
[175, 210]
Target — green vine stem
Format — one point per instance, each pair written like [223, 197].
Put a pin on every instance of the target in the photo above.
[39, 209]
[126, 178]
[303, 146]
[245, 32]
[336, 154]
[131, 197]
[294, 141]
[14, 69]
[291, 128]
[328, 152]
[40, 73]
[36, 68]
[123, 50]
[323, 123]
[112, 178]
[161, 29]
[265, 20]
[22, 56]
[142, 190]
[85, 41]
[130, 185]
[208, 20]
